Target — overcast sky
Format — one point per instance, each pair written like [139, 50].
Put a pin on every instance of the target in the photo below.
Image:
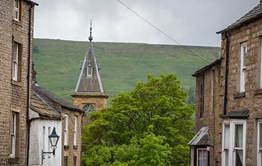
[191, 22]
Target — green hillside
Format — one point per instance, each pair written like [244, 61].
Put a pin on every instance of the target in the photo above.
[57, 63]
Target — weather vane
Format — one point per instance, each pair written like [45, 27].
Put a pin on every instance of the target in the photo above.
[91, 28]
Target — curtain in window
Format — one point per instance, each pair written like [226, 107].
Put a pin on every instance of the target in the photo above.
[239, 145]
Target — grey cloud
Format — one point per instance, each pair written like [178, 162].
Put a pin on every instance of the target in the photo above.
[192, 22]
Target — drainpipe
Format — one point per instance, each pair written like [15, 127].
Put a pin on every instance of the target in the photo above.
[28, 80]
[227, 35]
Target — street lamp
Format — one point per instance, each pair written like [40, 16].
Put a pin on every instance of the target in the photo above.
[53, 138]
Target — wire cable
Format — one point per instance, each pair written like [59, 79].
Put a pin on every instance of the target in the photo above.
[161, 31]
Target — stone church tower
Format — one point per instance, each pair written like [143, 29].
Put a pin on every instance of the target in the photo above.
[89, 93]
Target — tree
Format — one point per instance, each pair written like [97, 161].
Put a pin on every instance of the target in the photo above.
[154, 111]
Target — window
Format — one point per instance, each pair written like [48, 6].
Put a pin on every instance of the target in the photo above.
[65, 160]
[13, 135]
[44, 139]
[89, 70]
[234, 136]
[202, 157]
[16, 62]
[75, 131]
[242, 78]
[66, 130]
[75, 160]
[17, 10]
[259, 143]
[49, 143]
[202, 96]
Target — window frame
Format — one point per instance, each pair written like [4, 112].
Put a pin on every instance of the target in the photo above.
[242, 67]
[16, 61]
[89, 71]
[232, 148]
[201, 149]
[17, 10]
[66, 130]
[75, 131]
[202, 95]
[259, 150]
[14, 135]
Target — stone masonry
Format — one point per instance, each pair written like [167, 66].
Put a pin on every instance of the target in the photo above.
[14, 95]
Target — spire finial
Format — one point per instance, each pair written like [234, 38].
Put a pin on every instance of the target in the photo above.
[91, 28]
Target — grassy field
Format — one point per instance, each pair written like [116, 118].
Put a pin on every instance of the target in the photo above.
[57, 63]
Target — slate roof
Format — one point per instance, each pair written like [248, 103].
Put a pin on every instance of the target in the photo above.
[252, 15]
[45, 111]
[207, 67]
[32, 2]
[201, 138]
[51, 99]
[90, 84]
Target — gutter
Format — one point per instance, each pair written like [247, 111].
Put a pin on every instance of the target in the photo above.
[227, 34]
[28, 81]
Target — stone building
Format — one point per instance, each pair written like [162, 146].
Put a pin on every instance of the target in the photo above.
[229, 126]
[43, 119]
[16, 31]
[89, 92]
[71, 126]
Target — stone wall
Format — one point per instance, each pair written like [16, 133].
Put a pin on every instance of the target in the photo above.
[70, 151]
[13, 95]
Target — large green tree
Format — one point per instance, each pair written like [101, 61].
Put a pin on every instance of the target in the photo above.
[150, 125]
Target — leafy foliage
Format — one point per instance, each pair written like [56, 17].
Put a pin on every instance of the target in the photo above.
[150, 125]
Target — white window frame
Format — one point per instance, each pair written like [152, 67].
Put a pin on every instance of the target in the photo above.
[231, 151]
[16, 61]
[75, 130]
[242, 72]
[259, 150]
[201, 149]
[65, 130]
[89, 70]
[17, 10]
[13, 135]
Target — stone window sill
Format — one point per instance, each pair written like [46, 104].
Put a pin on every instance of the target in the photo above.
[75, 147]
[239, 95]
[17, 83]
[258, 92]
[16, 22]
[13, 160]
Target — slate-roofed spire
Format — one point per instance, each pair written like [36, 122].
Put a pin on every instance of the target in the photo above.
[89, 81]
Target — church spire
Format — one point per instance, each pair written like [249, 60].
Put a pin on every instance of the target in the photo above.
[91, 28]
[89, 81]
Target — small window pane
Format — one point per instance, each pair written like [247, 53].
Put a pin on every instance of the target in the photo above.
[202, 157]
[239, 136]
[226, 136]
[239, 158]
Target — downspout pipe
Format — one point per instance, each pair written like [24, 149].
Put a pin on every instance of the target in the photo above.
[227, 36]
[29, 80]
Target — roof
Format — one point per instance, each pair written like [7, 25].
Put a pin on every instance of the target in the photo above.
[252, 15]
[32, 2]
[207, 67]
[48, 96]
[45, 111]
[201, 138]
[89, 81]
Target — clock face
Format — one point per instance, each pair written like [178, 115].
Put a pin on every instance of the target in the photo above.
[88, 108]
